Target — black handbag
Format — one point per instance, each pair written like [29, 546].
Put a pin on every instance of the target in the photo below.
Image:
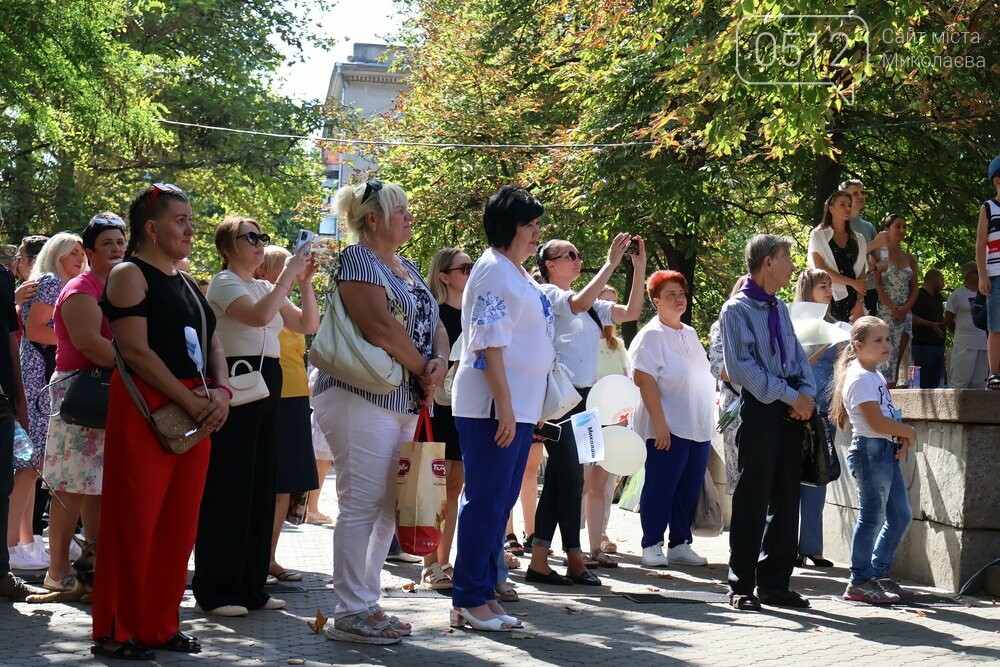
[979, 309]
[820, 464]
[86, 399]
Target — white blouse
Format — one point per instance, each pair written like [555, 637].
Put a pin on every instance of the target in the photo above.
[238, 339]
[503, 307]
[678, 363]
[577, 337]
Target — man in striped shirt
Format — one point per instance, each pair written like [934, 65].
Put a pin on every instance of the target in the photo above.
[763, 356]
[988, 262]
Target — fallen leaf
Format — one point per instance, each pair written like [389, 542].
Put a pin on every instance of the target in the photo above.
[816, 628]
[447, 631]
[317, 624]
[921, 612]
[521, 635]
[650, 588]
[408, 587]
[296, 661]
[570, 610]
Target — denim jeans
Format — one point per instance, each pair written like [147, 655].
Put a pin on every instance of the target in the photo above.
[884, 514]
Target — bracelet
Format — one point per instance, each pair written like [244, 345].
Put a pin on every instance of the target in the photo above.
[224, 388]
[438, 356]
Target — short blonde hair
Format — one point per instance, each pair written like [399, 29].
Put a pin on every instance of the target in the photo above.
[352, 211]
[226, 233]
[274, 258]
[55, 249]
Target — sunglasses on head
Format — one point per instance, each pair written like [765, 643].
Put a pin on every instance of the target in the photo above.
[255, 239]
[157, 189]
[373, 185]
[572, 254]
[466, 268]
[107, 221]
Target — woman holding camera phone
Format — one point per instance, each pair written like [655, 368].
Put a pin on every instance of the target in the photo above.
[580, 321]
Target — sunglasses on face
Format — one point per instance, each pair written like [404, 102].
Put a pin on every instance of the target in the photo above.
[157, 189]
[255, 239]
[466, 268]
[374, 185]
[572, 254]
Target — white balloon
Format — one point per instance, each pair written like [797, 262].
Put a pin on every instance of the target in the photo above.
[624, 450]
[614, 397]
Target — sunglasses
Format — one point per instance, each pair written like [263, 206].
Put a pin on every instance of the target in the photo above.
[466, 268]
[107, 221]
[157, 189]
[255, 239]
[572, 254]
[373, 185]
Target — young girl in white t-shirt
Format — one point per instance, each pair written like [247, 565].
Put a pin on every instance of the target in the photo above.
[861, 399]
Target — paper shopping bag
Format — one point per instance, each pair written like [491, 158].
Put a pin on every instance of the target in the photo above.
[420, 506]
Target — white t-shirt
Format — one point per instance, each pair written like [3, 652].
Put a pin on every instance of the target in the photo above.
[862, 386]
[678, 363]
[967, 335]
[238, 339]
[503, 307]
[577, 336]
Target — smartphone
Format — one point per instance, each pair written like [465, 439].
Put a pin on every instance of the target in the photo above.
[549, 431]
[633, 247]
[305, 236]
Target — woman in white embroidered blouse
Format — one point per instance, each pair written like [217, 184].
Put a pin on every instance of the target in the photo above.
[497, 398]
[676, 417]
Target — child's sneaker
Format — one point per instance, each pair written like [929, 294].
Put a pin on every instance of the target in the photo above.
[871, 592]
[891, 586]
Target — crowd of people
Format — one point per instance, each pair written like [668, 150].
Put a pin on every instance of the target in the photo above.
[477, 338]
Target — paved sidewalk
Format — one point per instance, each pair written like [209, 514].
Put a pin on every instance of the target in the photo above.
[571, 625]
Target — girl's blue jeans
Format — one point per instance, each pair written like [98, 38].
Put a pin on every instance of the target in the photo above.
[884, 513]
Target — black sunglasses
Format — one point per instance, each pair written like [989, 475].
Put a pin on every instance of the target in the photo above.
[464, 268]
[253, 238]
[572, 254]
[373, 185]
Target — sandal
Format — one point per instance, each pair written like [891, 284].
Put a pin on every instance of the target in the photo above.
[993, 382]
[510, 560]
[129, 650]
[603, 560]
[505, 592]
[744, 602]
[181, 643]
[354, 629]
[608, 547]
[287, 575]
[515, 547]
[435, 577]
[404, 629]
[318, 518]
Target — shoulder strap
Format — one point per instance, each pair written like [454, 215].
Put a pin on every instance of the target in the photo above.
[204, 323]
[133, 391]
[593, 316]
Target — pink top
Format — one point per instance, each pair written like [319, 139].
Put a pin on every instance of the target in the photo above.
[68, 358]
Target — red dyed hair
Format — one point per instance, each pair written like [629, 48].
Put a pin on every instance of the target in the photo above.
[660, 278]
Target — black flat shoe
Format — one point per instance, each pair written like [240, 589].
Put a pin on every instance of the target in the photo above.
[552, 578]
[777, 598]
[182, 643]
[585, 578]
[129, 650]
[817, 561]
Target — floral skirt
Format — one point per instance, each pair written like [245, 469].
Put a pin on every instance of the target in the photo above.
[74, 455]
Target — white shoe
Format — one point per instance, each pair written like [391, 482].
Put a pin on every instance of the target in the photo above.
[38, 550]
[683, 554]
[22, 558]
[653, 556]
[274, 603]
[403, 557]
[224, 610]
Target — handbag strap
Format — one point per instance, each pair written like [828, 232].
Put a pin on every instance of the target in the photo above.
[391, 297]
[424, 426]
[204, 322]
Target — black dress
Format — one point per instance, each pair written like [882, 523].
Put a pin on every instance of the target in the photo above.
[845, 258]
[442, 421]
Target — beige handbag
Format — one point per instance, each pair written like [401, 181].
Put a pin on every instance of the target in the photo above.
[442, 395]
[248, 387]
[340, 350]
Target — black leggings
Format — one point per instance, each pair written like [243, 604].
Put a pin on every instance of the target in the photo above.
[562, 492]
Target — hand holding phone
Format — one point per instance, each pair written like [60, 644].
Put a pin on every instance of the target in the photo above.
[549, 431]
[305, 236]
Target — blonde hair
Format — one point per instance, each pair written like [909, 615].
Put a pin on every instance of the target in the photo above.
[226, 233]
[608, 332]
[352, 211]
[442, 260]
[807, 282]
[55, 249]
[859, 334]
[274, 258]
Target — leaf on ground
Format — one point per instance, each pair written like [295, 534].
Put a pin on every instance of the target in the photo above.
[521, 635]
[651, 588]
[317, 624]
[447, 631]
[660, 575]
[570, 610]
[921, 612]
[816, 628]
[408, 587]
[296, 661]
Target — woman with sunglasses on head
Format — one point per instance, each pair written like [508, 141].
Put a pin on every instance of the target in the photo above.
[149, 509]
[60, 259]
[580, 321]
[446, 278]
[74, 455]
[365, 430]
[232, 554]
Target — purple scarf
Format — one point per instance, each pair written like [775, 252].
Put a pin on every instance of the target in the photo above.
[757, 293]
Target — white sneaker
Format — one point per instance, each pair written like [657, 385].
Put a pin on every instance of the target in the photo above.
[224, 610]
[274, 603]
[683, 554]
[22, 558]
[38, 550]
[653, 556]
